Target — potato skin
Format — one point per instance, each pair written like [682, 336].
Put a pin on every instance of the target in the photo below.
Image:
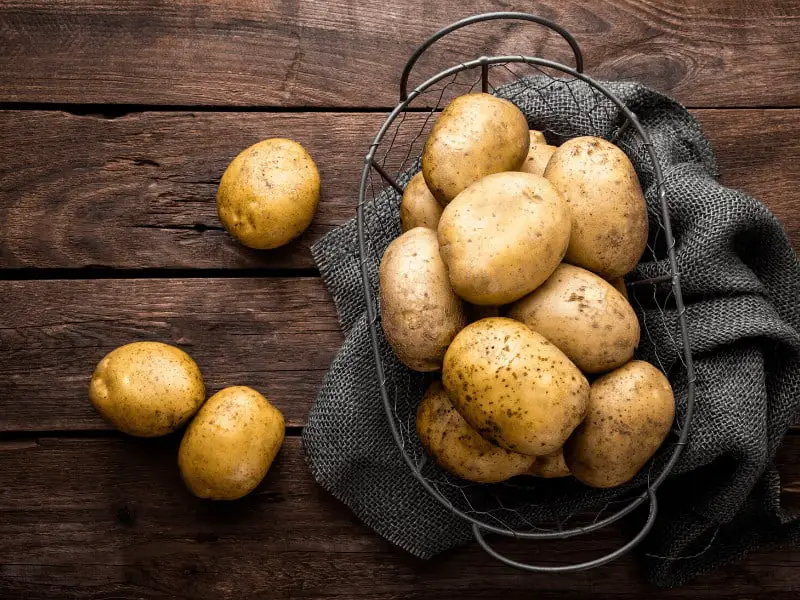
[419, 208]
[630, 414]
[539, 154]
[147, 389]
[269, 193]
[231, 443]
[458, 448]
[514, 387]
[609, 215]
[584, 316]
[419, 311]
[551, 466]
[503, 236]
[474, 136]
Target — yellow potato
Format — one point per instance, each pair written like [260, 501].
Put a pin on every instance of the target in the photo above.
[419, 208]
[539, 154]
[551, 466]
[630, 414]
[269, 193]
[147, 389]
[420, 313]
[231, 443]
[457, 447]
[514, 387]
[474, 136]
[609, 215]
[584, 316]
[503, 236]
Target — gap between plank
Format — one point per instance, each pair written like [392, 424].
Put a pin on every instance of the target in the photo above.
[14, 437]
[102, 272]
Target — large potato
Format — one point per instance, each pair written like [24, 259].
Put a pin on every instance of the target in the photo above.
[474, 136]
[512, 385]
[609, 215]
[539, 154]
[419, 208]
[231, 443]
[457, 447]
[419, 311]
[584, 316]
[503, 236]
[630, 414]
[551, 466]
[269, 193]
[147, 389]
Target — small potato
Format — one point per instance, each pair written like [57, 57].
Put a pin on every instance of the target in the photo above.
[584, 316]
[609, 215]
[619, 285]
[514, 387]
[551, 466]
[419, 208]
[147, 389]
[419, 311]
[630, 414]
[269, 193]
[539, 154]
[457, 447]
[474, 136]
[503, 236]
[231, 443]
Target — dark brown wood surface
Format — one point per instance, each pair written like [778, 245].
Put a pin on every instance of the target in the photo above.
[117, 120]
[346, 53]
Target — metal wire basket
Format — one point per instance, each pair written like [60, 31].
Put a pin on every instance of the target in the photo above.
[564, 102]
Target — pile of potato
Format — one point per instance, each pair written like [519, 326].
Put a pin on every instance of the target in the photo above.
[507, 279]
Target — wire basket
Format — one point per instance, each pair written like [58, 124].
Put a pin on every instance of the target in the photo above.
[563, 102]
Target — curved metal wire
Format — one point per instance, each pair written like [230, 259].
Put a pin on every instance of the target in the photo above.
[481, 526]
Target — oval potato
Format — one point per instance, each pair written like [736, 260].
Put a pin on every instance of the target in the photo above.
[630, 414]
[539, 154]
[419, 311]
[584, 316]
[231, 443]
[609, 215]
[458, 448]
[418, 207]
[514, 387]
[503, 236]
[147, 389]
[474, 136]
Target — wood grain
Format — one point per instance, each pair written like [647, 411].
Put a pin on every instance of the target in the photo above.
[348, 53]
[276, 335]
[138, 192]
[99, 518]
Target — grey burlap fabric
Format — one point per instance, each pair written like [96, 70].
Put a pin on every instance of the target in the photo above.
[741, 284]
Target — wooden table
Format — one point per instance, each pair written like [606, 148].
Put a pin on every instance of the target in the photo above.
[119, 118]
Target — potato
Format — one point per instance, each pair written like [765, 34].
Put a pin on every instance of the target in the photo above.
[619, 285]
[584, 316]
[147, 389]
[503, 236]
[539, 153]
[269, 193]
[231, 443]
[630, 414]
[419, 208]
[514, 387]
[609, 215]
[419, 311]
[474, 136]
[550, 467]
[458, 448]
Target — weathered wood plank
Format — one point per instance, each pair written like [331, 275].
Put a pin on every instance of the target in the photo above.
[276, 335]
[139, 191]
[348, 53]
[96, 518]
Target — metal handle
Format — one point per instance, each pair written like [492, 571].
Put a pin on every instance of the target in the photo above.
[648, 525]
[479, 19]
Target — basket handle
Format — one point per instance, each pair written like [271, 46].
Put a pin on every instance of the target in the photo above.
[518, 16]
[584, 566]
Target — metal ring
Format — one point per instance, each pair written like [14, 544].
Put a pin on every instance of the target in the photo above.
[573, 43]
